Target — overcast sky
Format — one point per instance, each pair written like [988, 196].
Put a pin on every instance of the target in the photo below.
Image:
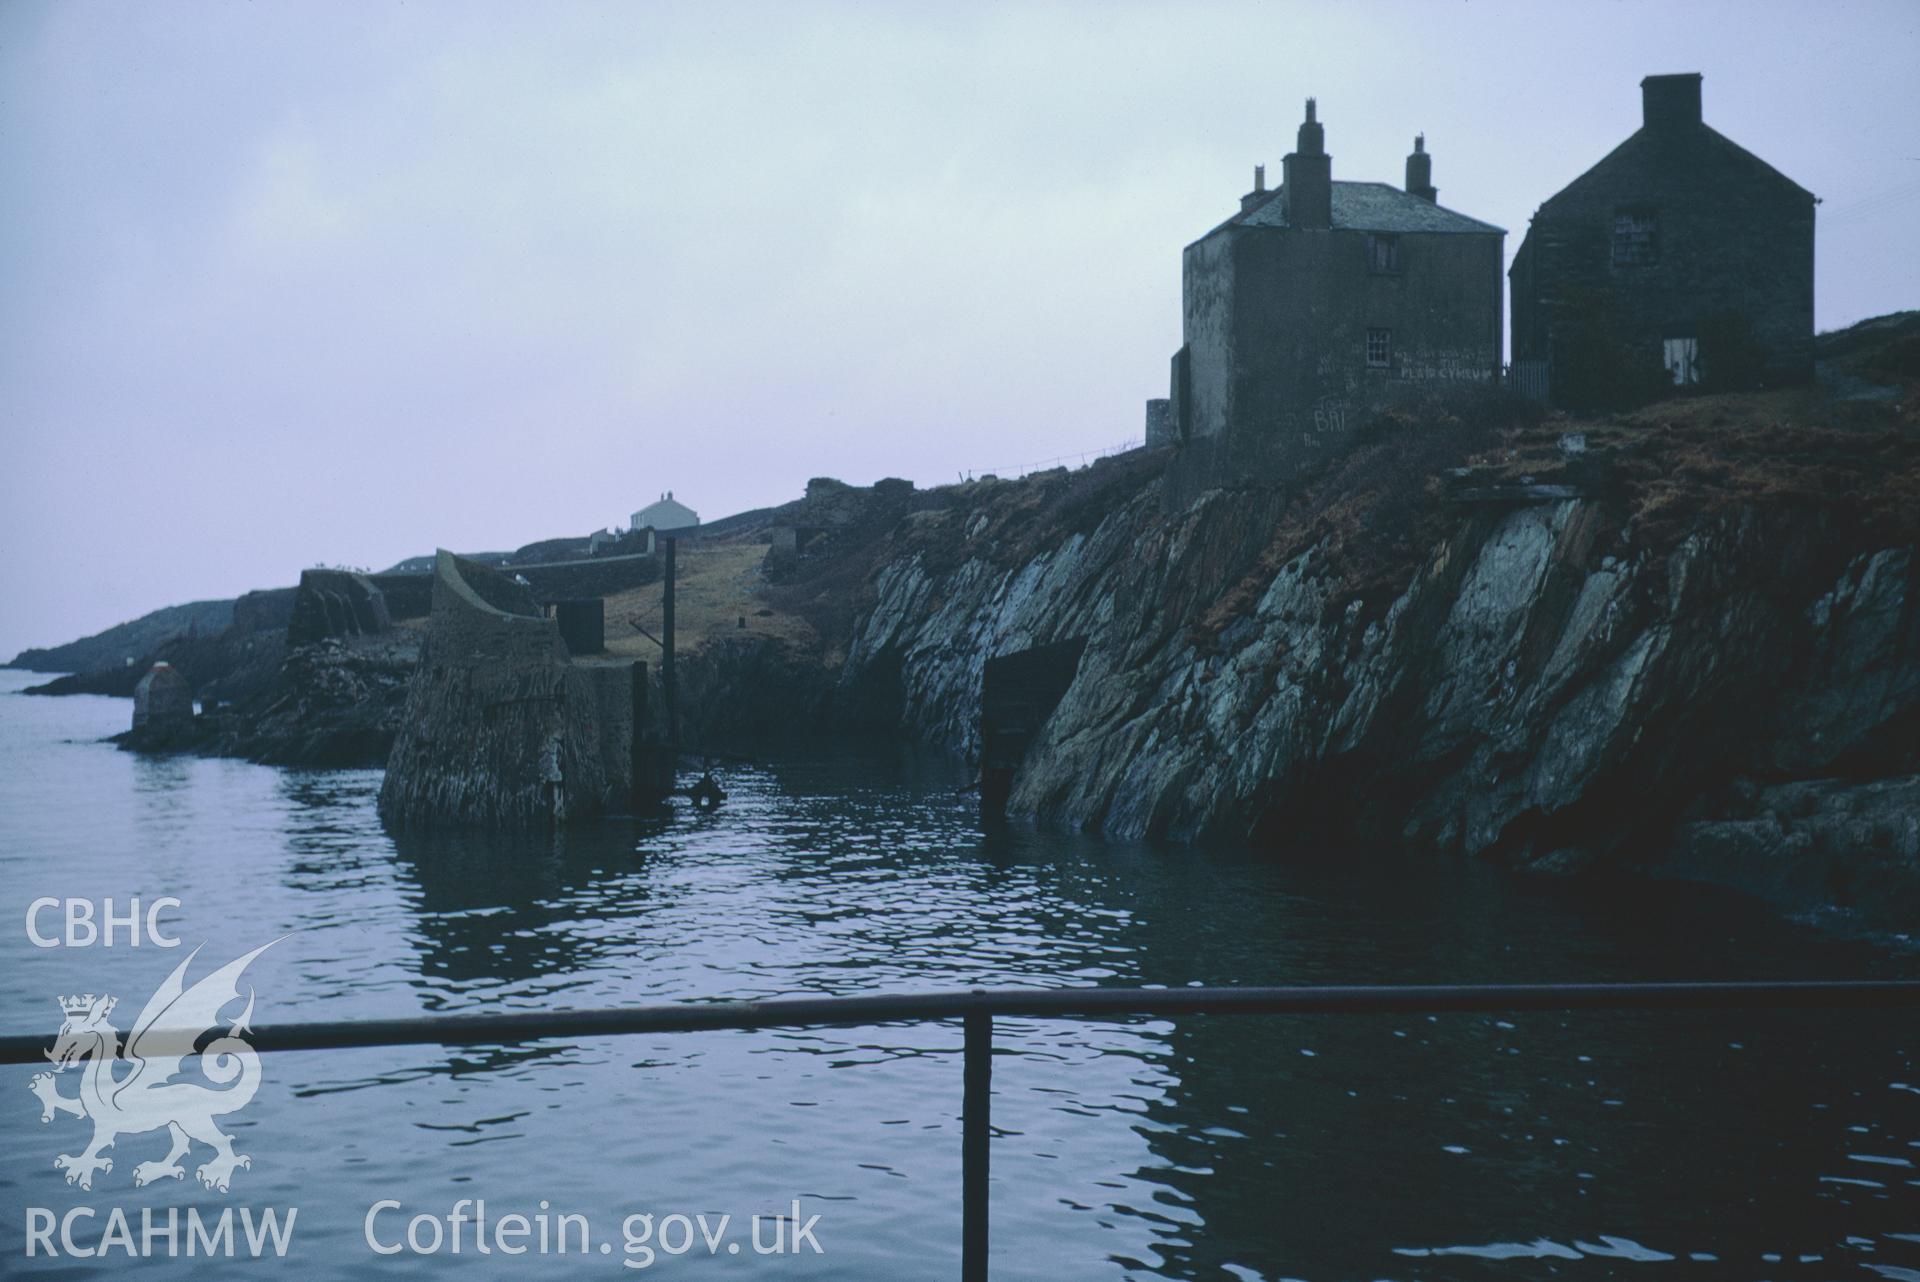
[284, 284]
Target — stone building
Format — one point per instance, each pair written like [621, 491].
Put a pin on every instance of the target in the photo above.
[1316, 302]
[665, 515]
[1680, 258]
[163, 700]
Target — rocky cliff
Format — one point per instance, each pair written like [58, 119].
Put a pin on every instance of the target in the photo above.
[1684, 640]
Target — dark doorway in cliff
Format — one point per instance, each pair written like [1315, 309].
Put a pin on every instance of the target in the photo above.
[874, 701]
[1018, 692]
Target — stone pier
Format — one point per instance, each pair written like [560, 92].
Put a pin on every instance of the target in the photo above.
[503, 726]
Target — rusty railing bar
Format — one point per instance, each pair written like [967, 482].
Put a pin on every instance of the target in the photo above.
[1046, 1003]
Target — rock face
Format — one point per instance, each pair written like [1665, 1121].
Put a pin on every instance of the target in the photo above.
[1541, 682]
[332, 702]
[500, 726]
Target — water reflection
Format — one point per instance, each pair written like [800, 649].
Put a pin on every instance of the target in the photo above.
[499, 910]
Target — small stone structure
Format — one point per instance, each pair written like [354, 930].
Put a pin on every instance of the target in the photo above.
[629, 542]
[163, 700]
[796, 540]
[1159, 422]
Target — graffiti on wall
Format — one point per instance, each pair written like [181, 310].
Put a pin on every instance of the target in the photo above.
[1330, 415]
[1463, 366]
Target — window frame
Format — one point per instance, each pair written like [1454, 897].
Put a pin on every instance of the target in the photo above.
[1384, 336]
[1636, 230]
[1390, 243]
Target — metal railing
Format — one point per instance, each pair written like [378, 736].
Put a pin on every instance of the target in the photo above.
[977, 1008]
[1080, 458]
[1530, 379]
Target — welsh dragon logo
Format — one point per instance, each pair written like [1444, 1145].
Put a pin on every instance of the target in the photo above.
[147, 1098]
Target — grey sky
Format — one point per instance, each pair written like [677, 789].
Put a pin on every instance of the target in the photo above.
[282, 283]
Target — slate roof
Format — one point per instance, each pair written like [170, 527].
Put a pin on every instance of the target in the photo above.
[1371, 207]
[1675, 149]
[666, 514]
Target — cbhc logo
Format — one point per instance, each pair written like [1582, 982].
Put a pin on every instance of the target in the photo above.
[85, 927]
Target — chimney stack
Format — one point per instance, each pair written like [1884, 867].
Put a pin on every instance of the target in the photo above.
[1420, 172]
[1307, 176]
[1670, 102]
[1258, 196]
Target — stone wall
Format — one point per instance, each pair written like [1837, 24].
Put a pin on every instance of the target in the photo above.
[601, 577]
[336, 603]
[409, 596]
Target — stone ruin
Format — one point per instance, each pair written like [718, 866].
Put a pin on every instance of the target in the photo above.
[163, 700]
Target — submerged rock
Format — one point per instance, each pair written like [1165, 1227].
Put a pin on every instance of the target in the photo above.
[1841, 842]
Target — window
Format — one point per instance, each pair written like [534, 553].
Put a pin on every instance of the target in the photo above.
[1383, 254]
[1379, 348]
[1682, 357]
[1636, 236]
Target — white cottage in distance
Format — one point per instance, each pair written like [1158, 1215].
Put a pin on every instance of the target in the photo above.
[665, 515]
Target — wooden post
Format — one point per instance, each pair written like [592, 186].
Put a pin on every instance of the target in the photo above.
[666, 654]
[642, 787]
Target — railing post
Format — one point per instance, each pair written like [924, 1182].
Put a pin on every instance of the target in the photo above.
[976, 1128]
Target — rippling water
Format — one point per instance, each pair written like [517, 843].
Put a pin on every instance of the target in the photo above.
[1327, 1147]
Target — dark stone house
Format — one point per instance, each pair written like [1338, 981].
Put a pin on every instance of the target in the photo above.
[1315, 303]
[1680, 258]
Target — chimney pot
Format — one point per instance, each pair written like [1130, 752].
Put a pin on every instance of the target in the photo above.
[1420, 172]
